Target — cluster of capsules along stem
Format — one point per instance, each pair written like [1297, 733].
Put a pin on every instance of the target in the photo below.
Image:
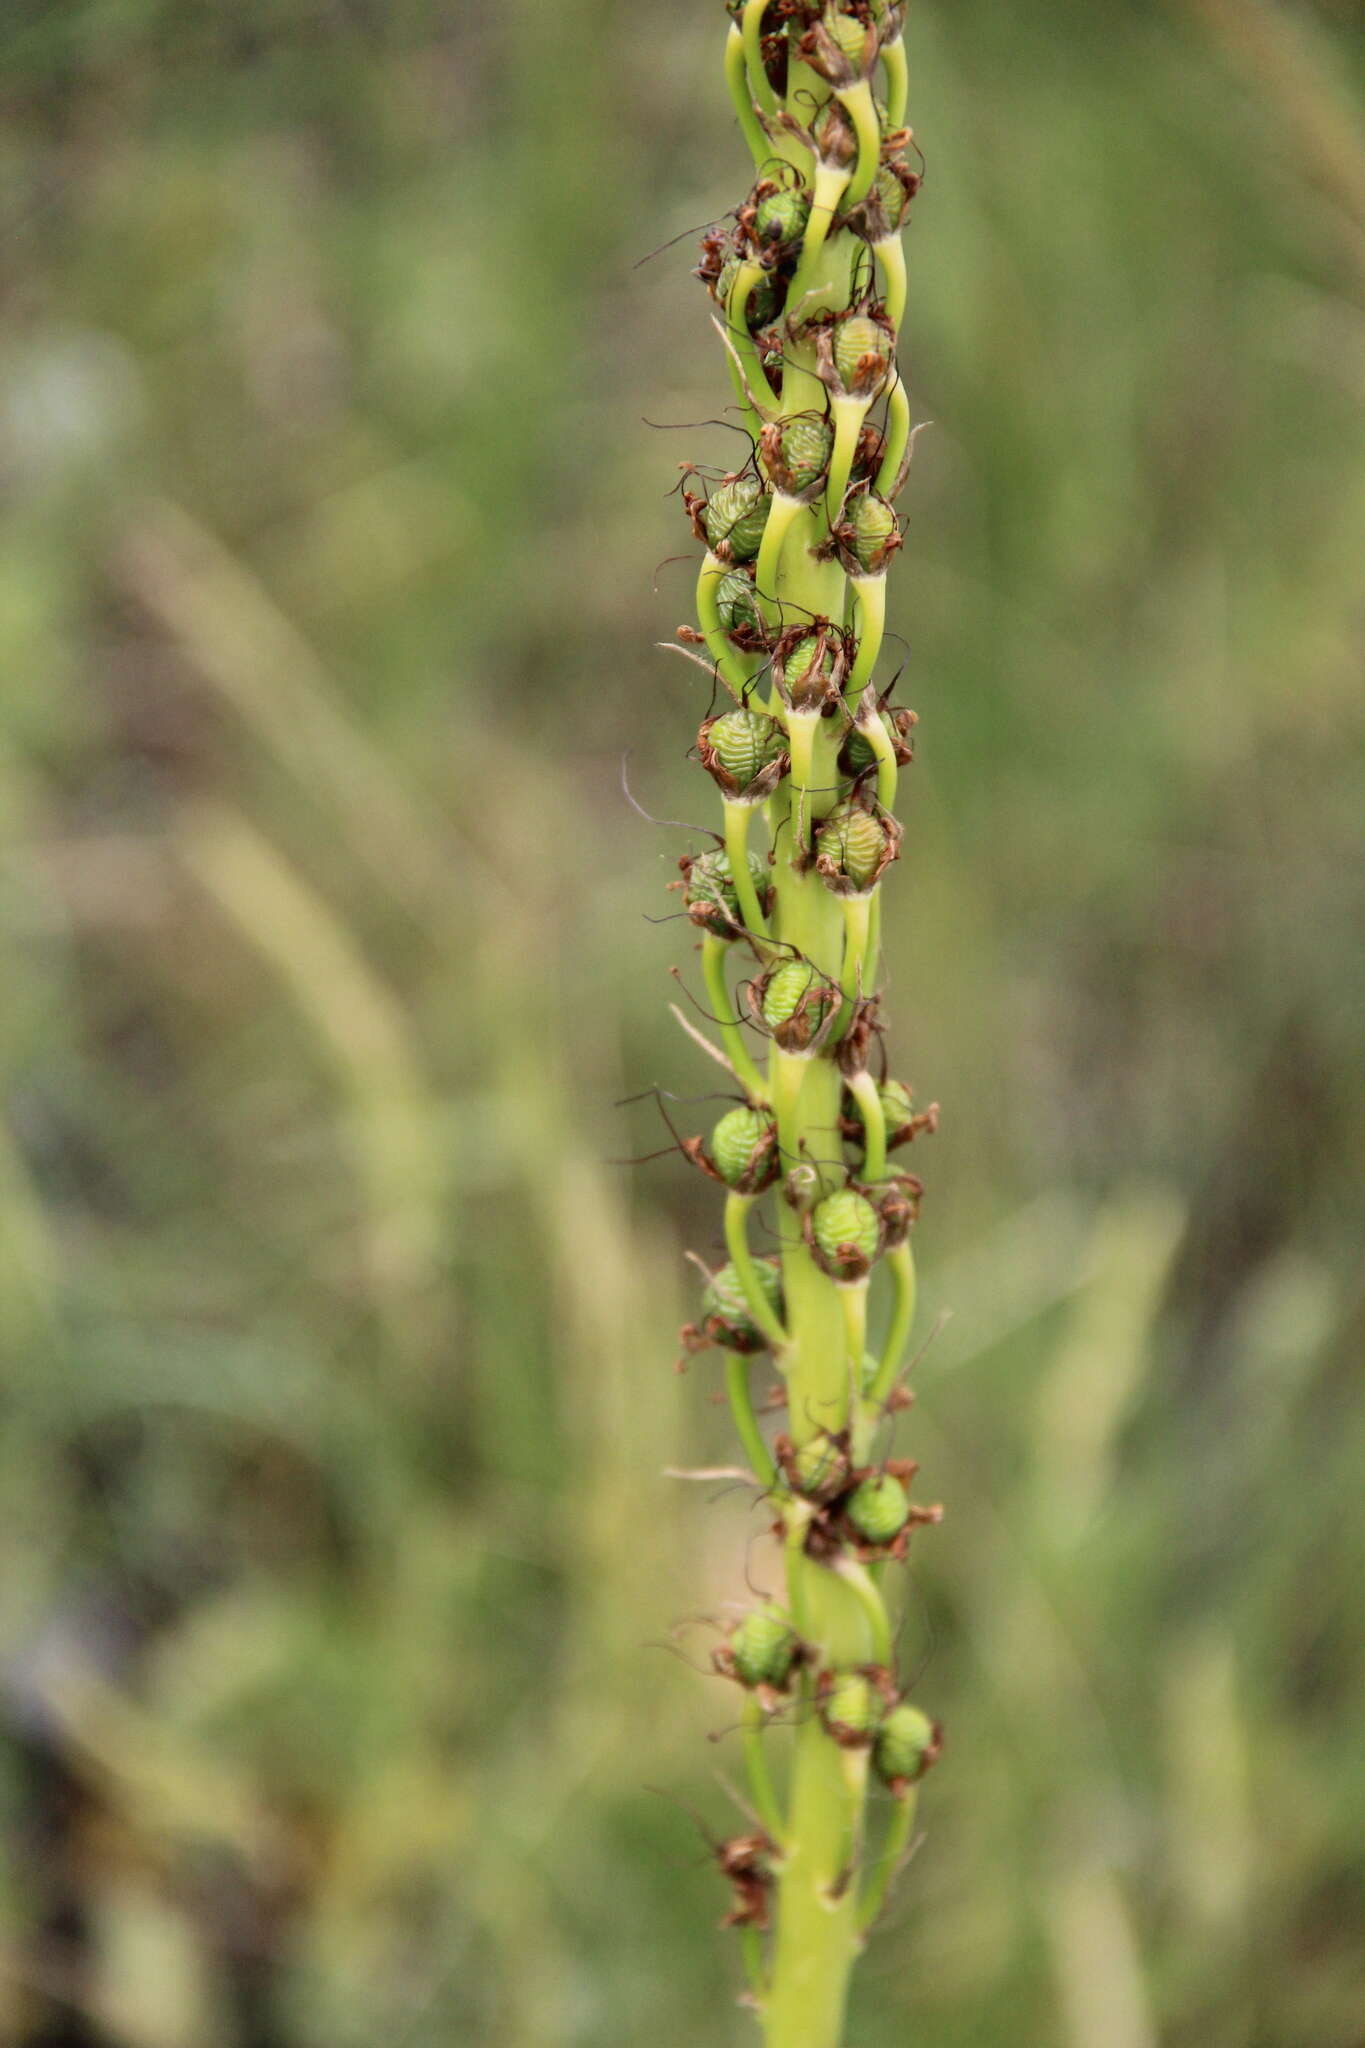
[806, 749]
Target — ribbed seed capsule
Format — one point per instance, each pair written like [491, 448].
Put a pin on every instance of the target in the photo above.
[868, 524]
[709, 892]
[808, 671]
[878, 1508]
[745, 743]
[852, 844]
[819, 1467]
[736, 514]
[852, 1709]
[763, 1648]
[781, 217]
[785, 991]
[726, 1302]
[862, 353]
[893, 194]
[836, 139]
[799, 453]
[849, 34]
[743, 1146]
[846, 1232]
[898, 1105]
[737, 602]
[907, 1743]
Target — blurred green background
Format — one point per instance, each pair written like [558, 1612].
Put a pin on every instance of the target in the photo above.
[340, 1571]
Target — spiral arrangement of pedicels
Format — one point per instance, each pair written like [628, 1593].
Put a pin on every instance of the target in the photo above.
[807, 280]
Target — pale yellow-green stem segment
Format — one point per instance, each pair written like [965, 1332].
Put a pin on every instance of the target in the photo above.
[735, 668]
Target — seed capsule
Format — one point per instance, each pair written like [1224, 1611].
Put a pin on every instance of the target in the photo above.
[878, 1509]
[794, 1004]
[737, 602]
[709, 891]
[745, 743]
[850, 35]
[781, 217]
[869, 532]
[763, 1648]
[898, 1104]
[852, 847]
[835, 137]
[862, 353]
[835, 45]
[736, 514]
[819, 1467]
[845, 1233]
[895, 187]
[796, 452]
[744, 1148]
[809, 671]
[907, 1743]
[725, 1306]
[852, 1709]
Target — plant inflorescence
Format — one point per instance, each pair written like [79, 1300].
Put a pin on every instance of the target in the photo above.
[807, 281]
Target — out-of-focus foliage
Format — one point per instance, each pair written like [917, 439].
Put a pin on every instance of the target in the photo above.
[339, 1563]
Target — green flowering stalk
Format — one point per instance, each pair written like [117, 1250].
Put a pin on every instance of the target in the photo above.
[808, 285]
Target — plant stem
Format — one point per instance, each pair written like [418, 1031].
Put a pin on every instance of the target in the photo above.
[737, 78]
[761, 1789]
[737, 1209]
[897, 82]
[901, 1265]
[863, 1089]
[840, 1218]
[737, 818]
[880, 1873]
[746, 1423]
[734, 668]
[714, 952]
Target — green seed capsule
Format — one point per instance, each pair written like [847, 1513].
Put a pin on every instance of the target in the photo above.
[852, 843]
[781, 217]
[726, 1306]
[869, 523]
[805, 445]
[849, 34]
[819, 1467]
[745, 743]
[736, 515]
[846, 1232]
[784, 991]
[709, 893]
[852, 1708]
[907, 1742]
[862, 353]
[743, 1146]
[878, 1509]
[892, 193]
[763, 1648]
[808, 671]
[898, 1105]
[802, 660]
[737, 602]
[835, 138]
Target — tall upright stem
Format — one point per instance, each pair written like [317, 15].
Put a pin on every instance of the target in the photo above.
[815, 532]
